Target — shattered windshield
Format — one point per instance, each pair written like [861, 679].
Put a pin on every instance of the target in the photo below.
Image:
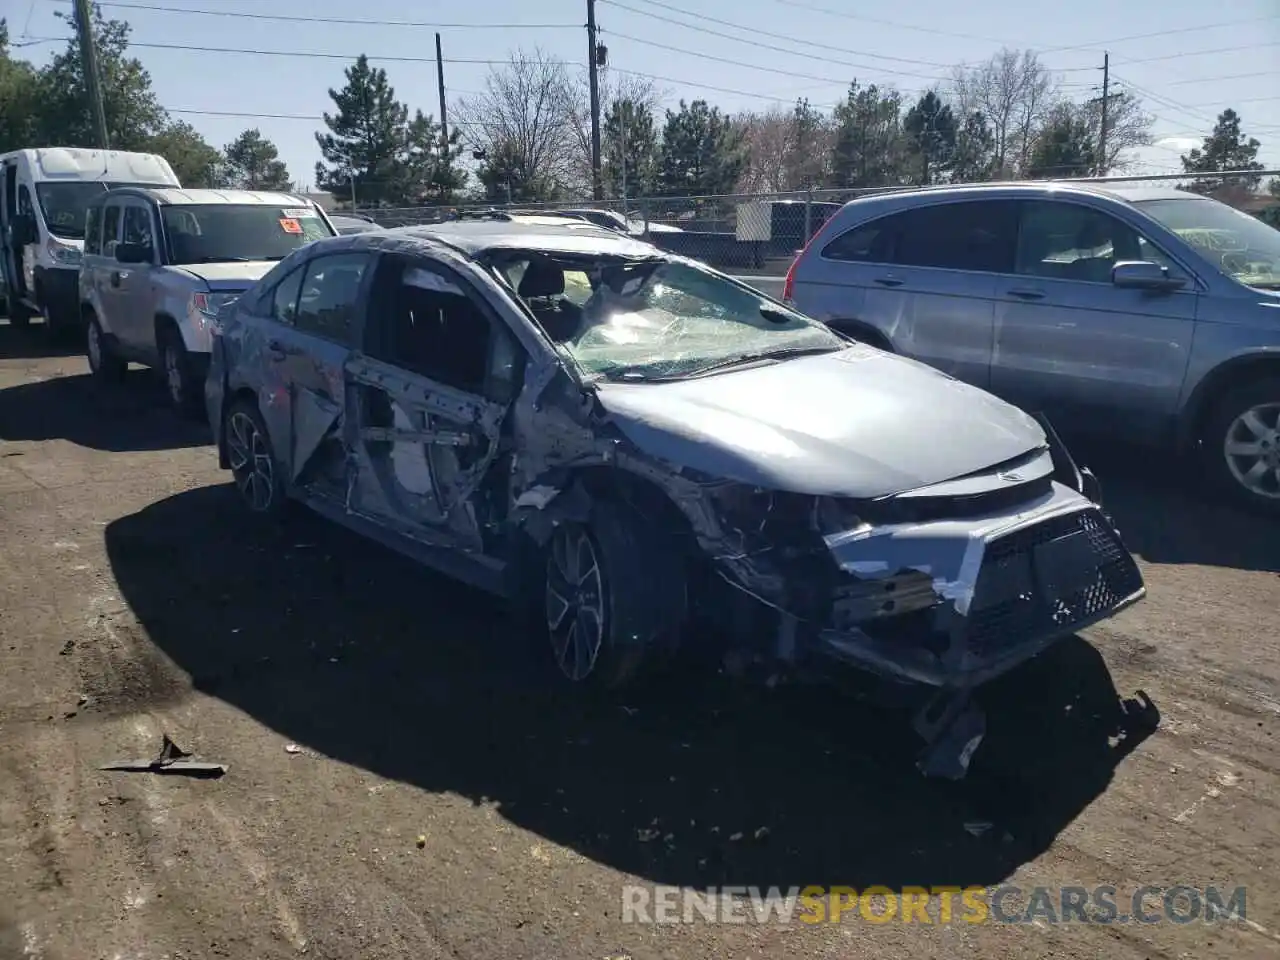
[657, 319]
[1244, 247]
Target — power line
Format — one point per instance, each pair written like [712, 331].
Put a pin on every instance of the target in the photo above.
[888, 23]
[1234, 76]
[764, 33]
[1201, 53]
[305, 54]
[244, 15]
[1159, 33]
[769, 46]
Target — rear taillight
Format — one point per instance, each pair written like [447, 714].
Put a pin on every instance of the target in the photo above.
[789, 283]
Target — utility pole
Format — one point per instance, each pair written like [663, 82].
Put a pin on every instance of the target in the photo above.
[597, 192]
[89, 67]
[1102, 127]
[444, 122]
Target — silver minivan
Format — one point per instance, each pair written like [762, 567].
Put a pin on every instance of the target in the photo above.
[1149, 315]
[159, 263]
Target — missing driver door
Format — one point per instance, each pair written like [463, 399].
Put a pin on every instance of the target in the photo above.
[430, 395]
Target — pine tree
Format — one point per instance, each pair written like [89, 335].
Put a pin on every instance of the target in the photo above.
[629, 148]
[930, 130]
[253, 163]
[702, 152]
[974, 159]
[1065, 147]
[1224, 149]
[869, 145]
[431, 172]
[365, 145]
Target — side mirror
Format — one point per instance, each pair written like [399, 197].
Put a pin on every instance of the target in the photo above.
[24, 230]
[1144, 275]
[133, 253]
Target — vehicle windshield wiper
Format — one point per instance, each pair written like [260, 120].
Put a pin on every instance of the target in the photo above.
[742, 359]
[223, 260]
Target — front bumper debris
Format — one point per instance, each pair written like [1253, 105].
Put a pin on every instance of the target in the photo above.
[960, 602]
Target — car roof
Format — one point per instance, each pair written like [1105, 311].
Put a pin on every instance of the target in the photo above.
[170, 196]
[549, 235]
[1013, 189]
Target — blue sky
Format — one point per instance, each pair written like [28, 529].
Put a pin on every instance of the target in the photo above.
[1205, 58]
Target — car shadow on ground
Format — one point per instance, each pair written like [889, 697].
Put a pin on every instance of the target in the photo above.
[132, 415]
[342, 646]
[1167, 513]
[35, 343]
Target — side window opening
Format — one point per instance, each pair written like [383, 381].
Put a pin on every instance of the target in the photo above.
[866, 243]
[93, 230]
[284, 298]
[430, 325]
[978, 236]
[330, 296]
[110, 229]
[1067, 241]
[137, 226]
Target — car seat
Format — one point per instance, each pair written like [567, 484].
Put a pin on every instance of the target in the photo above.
[542, 288]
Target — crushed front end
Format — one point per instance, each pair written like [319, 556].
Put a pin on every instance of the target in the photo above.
[945, 587]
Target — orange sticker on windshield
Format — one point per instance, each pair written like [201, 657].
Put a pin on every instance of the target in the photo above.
[290, 225]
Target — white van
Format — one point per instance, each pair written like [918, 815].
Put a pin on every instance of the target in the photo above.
[46, 192]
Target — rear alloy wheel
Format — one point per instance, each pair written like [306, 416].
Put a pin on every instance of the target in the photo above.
[252, 461]
[614, 596]
[103, 363]
[1242, 444]
[184, 392]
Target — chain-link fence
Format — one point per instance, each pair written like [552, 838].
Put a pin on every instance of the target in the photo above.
[757, 235]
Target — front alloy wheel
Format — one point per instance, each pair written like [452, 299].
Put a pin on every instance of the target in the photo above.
[252, 466]
[1251, 447]
[575, 601]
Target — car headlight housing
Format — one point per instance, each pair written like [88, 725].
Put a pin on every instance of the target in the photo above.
[208, 304]
[63, 254]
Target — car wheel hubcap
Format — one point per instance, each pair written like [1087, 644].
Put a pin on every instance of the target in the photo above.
[173, 374]
[250, 461]
[95, 348]
[1252, 450]
[575, 602]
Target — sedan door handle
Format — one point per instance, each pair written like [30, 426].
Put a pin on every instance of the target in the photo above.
[1026, 293]
[889, 281]
[115, 278]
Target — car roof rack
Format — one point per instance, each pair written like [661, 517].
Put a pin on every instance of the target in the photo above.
[483, 215]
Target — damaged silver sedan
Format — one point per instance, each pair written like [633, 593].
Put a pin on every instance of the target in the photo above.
[628, 442]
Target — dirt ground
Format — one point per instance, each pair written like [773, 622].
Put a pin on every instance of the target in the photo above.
[401, 784]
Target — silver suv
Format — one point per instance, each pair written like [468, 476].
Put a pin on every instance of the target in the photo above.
[1151, 315]
[158, 264]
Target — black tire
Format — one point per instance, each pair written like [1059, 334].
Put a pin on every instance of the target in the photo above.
[103, 362]
[642, 593]
[1225, 424]
[185, 392]
[245, 433]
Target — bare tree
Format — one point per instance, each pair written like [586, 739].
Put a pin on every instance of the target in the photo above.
[524, 119]
[1015, 92]
[1128, 126]
[786, 149]
[766, 137]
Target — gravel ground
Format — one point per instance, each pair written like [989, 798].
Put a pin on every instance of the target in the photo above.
[401, 785]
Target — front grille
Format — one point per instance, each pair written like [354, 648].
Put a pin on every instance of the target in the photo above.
[1025, 591]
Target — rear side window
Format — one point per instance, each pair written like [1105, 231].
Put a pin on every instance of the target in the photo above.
[93, 230]
[973, 235]
[868, 243]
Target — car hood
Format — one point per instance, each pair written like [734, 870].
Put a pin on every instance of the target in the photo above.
[859, 423]
[229, 276]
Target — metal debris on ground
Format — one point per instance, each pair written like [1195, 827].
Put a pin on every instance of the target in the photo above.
[171, 760]
[292, 748]
[977, 827]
